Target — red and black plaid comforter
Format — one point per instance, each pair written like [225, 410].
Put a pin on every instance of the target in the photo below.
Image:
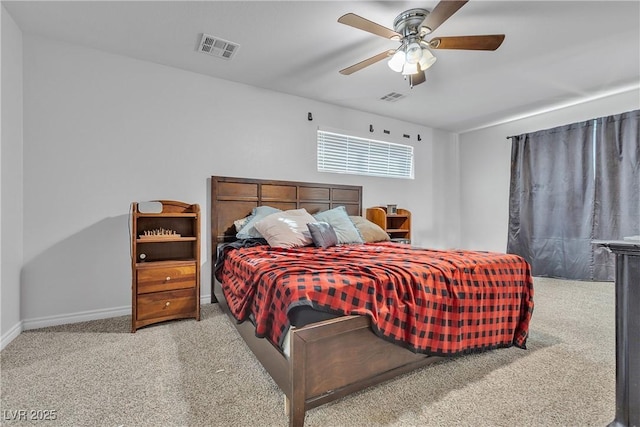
[433, 302]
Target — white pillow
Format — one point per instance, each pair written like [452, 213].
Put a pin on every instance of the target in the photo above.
[286, 229]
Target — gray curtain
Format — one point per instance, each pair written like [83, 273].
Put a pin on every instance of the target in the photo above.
[569, 186]
[551, 200]
[617, 185]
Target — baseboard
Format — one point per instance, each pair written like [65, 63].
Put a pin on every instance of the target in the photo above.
[82, 316]
[11, 334]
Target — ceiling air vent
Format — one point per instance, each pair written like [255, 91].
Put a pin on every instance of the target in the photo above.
[392, 97]
[218, 47]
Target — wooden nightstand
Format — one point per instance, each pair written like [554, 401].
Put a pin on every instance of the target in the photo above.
[165, 264]
[397, 225]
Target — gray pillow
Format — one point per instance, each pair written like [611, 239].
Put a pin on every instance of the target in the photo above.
[341, 223]
[322, 234]
[249, 231]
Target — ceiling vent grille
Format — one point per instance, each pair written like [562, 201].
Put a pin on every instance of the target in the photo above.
[217, 47]
[392, 97]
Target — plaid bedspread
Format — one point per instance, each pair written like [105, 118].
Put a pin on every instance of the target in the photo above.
[434, 302]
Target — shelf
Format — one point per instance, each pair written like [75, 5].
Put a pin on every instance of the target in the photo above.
[401, 240]
[166, 239]
[165, 263]
[397, 230]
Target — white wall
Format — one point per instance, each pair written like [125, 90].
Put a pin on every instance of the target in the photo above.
[485, 162]
[10, 179]
[446, 201]
[101, 131]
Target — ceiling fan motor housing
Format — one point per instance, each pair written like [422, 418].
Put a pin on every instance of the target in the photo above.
[408, 22]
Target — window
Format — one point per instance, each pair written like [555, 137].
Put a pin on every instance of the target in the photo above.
[340, 153]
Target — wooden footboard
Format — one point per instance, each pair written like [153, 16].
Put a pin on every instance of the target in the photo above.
[328, 360]
[337, 357]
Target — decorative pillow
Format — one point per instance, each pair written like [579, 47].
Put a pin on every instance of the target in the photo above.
[322, 234]
[341, 223]
[248, 231]
[370, 231]
[286, 229]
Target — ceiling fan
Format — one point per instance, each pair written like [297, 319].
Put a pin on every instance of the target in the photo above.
[410, 28]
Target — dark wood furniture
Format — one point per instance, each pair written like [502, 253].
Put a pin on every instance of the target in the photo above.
[397, 225]
[330, 359]
[627, 255]
[165, 263]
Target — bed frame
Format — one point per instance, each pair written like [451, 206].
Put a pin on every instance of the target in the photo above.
[329, 359]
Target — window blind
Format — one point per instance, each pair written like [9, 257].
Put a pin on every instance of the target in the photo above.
[340, 153]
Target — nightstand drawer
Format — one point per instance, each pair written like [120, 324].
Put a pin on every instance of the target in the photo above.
[166, 304]
[166, 278]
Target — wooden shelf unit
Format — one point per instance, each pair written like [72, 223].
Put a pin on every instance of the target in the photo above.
[165, 268]
[397, 225]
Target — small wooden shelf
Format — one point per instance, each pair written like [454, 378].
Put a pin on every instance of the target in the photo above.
[157, 264]
[397, 225]
[159, 239]
[165, 268]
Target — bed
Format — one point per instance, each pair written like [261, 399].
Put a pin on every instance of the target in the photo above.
[326, 359]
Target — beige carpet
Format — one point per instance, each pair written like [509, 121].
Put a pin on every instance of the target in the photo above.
[189, 373]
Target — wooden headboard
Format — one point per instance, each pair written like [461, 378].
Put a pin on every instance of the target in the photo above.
[235, 198]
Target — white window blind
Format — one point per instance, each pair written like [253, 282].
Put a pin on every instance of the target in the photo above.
[340, 153]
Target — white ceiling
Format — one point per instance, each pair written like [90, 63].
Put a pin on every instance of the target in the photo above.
[555, 52]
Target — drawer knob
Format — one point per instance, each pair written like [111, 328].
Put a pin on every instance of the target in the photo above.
[168, 278]
[167, 304]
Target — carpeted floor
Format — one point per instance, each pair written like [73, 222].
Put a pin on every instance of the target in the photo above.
[189, 373]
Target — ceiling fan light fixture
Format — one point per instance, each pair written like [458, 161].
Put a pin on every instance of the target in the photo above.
[427, 59]
[409, 69]
[414, 53]
[397, 61]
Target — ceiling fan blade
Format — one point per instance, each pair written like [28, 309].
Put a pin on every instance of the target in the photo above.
[360, 65]
[489, 42]
[441, 13]
[361, 23]
[416, 79]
